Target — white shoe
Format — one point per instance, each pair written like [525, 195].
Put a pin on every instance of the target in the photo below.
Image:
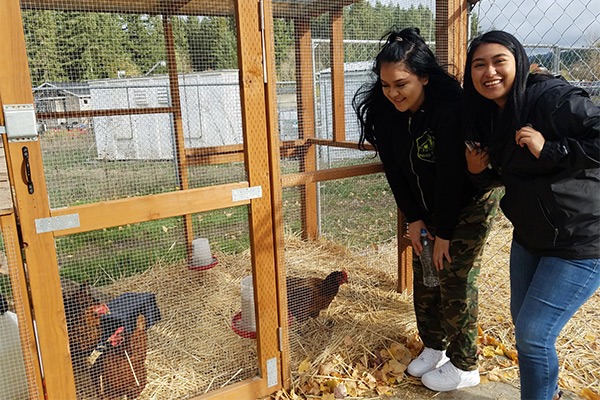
[428, 360]
[448, 377]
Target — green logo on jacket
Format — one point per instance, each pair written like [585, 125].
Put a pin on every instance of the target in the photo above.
[426, 147]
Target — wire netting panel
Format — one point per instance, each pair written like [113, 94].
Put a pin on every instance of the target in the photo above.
[135, 99]
[109, 111]
[563, 37]
[139, 98]
[15, 364]
[373, 220]
[351, 222]
[178, 316]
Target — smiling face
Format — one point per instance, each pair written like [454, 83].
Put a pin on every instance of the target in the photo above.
[493, 72]
[402, 87]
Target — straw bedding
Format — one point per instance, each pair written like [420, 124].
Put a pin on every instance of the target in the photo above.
[358, 347]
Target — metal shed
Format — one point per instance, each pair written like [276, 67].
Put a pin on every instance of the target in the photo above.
[206, 106]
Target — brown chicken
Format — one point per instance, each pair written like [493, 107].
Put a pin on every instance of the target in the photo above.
[83, 312]
[308, 296]
[121, 370]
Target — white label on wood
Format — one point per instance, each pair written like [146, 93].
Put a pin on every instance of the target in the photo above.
[272, 372]
[254, 192]
[51, 224]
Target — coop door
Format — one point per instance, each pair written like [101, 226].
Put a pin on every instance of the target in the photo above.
[139, 252]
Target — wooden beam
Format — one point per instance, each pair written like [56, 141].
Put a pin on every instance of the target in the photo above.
[104, 113]
[182, 167]
[257, 149]
[18, 281]
[306, 124]
[38, 248]
[108, 214]
[341, 144]
[303, 178]
[451, 34]
[275, 146]
[281, 8]
[336, 50]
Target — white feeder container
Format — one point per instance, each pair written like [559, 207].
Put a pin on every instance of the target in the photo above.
[248, 321]
[201, 252]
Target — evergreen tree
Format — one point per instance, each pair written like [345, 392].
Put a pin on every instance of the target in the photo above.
[283, 31]
[145, 41]
[212, 43]
[41, 38]
[182, 50]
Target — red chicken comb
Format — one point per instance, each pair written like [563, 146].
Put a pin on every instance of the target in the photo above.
[102, 309]
[117, 338]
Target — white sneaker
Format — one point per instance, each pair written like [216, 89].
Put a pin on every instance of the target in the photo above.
[428, 360]
[448, 377]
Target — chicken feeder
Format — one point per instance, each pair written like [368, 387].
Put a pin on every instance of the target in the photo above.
[244, 322]
[202, 258]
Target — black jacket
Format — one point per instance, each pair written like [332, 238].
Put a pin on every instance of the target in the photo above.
[424, 162]
[554, 202]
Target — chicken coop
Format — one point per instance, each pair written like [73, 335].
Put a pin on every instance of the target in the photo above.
[166, 242]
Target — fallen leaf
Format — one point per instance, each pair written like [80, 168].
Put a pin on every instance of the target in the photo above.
[383, 390]
[326, 369]
[304, 366]
[488, 351]
[589, 394]
[396, 367]
[340, 391]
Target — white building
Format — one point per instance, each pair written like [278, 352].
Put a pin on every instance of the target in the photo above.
[211, 114]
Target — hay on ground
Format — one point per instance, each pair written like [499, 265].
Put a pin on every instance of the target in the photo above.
[362, 340]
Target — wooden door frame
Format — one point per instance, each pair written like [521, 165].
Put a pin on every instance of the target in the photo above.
[38, 248]
[266, 225]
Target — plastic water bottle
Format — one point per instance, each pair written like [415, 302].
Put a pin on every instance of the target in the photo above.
[430, 276]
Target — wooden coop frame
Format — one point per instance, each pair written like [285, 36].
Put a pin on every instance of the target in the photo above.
[20, 207]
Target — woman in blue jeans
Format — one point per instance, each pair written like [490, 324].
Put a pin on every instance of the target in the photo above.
[539, 137]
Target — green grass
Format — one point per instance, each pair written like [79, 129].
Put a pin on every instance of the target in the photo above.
[356, 211]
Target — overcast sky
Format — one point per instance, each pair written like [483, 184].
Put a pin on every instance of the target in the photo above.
[554, 22]
[562, 22]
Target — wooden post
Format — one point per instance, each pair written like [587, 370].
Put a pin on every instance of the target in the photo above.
[182, 165]
[18, 278]
[451, 34]
[337, 74]
[38, 248]
[258, 150]
[306, 124]
[276, 186]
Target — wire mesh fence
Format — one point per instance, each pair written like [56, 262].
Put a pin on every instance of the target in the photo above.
[120, 103]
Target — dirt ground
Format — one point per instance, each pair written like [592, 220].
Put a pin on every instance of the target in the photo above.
[484, 391]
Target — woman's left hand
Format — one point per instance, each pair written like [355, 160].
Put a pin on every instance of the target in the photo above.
[441, 250]
[534, 140]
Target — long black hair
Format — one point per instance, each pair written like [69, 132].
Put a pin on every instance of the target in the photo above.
[479, 112]
[408, 47]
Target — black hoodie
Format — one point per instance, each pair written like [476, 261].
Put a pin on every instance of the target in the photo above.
[554, 202]
[424, 161]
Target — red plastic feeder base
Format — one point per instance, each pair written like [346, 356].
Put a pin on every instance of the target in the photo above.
[204, 267]
[235, 325]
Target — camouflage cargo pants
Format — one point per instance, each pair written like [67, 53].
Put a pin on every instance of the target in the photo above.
[447, 315]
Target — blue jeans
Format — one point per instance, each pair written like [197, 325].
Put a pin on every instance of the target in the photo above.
[545, 293]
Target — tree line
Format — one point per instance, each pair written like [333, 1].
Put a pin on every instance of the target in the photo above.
[78, 47]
